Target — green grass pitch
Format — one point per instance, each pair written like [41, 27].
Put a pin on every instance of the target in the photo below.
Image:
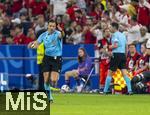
[95, 104]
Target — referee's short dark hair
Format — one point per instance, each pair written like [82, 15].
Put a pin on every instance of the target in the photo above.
[115, 25]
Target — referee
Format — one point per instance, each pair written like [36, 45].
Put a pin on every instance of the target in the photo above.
[118, 58]
[53, 51]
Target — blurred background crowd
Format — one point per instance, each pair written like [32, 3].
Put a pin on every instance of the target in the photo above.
[83, 21]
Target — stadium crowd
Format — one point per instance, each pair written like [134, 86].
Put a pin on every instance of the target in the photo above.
[84, 22]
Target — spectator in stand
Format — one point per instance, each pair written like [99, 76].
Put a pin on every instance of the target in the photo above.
[31, 34]
[66, 20]
[134, 32]
[20, 38]
[143, 13]
[25, 22]
[97, 31]
[9, 39]
[57, 7]
[37, 7]
[76, 36]
[71, 7]
[16, 7]
[8, 5]
[41, 23]
[79, 17]
[144, 34]
[26, 3]
[132, 58]
[114, 13]
[89, 38]
[59, 21]
[106, 18]
[2, 10]
[6, 27]
[97, 11]
[131, 7]
[69, 31]
[81, 4]
[124, 18]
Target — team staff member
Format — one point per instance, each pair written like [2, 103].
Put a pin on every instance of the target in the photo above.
[53, 52]
[118, 58]
[140, 81]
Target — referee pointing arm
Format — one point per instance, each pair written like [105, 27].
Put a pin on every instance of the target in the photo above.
[53, 51]
[118, 59]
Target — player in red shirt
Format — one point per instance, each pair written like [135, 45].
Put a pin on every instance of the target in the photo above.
[132, 58]
[141, 82]
[142, 63]
[103, 46]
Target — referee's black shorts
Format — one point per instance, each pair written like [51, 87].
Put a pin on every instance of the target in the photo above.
[52, 64]
[117, 61]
